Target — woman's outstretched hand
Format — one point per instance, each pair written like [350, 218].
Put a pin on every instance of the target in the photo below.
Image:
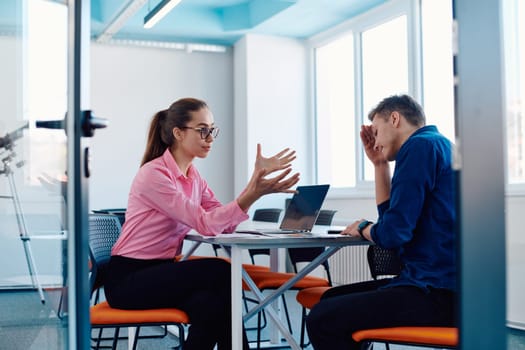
[261, 185]
[279, 161]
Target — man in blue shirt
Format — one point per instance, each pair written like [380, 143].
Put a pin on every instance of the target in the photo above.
[416, 219]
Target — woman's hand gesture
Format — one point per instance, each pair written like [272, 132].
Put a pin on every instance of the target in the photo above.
[261, 185]
[279, 161]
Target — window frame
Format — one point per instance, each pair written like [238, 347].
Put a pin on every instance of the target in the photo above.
[356, 26]
[510, 31]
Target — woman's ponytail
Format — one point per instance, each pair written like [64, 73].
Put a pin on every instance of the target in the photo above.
[160, 135]
[155, 145]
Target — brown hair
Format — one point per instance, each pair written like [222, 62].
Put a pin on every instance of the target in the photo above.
[405, 105]
[160, 135]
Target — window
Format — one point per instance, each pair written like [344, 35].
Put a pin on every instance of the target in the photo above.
[335, 99]
[373, 56]
[514, 37]
[438, 73]
[384, 67]
[45, 92]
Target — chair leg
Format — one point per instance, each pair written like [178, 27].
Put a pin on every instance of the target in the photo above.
[259, 330]
[303, 326]
[264, 322]
[246, 300]
[99, 338]
[182, 337]
[367, 345]
[287, 314]
[115, 339]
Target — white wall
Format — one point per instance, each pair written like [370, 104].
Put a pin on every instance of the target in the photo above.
[271, 106]
[128, 86]
[10, 85]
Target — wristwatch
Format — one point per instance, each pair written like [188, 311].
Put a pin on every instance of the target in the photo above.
[362, 226]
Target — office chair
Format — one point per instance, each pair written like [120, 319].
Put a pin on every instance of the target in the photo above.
[104, 230]
[432, 337]
[381, 262]
[305, 255]
[265, 279]
[265, 215]
[325, 217]
[307, 298]
[385, 263]
[118, 212]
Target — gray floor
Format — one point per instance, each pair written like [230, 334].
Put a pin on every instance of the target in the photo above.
[27, 324]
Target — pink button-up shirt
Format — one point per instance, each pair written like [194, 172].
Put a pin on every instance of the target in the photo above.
[164, 205]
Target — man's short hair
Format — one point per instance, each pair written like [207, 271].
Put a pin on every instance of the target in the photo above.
[403, 104]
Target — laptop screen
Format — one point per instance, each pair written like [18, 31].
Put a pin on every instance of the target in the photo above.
[304, 208]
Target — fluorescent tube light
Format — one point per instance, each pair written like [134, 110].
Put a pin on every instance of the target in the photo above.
[125, 13]
[159, 12]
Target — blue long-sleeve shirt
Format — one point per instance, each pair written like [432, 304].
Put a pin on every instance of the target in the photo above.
[419, 218]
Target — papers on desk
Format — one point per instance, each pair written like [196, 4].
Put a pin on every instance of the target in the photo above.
[259, 230]
[258, 235]
[245, 233]
[234, 235]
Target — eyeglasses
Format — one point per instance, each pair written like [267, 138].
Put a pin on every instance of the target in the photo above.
[204, 131]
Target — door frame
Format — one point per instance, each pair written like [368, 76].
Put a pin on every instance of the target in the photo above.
[79, 327]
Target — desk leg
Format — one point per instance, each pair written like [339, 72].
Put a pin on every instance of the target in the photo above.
[236, 284]
[277, 263]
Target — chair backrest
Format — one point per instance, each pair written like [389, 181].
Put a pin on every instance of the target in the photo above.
[305, 255]
[267, 214]
[104, 230]
[383, 262]
[325, 217]
[118, 212]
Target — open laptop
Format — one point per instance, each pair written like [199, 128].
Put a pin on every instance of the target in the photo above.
[301, 213]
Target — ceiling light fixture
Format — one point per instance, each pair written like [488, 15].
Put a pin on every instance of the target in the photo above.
[159, 12]
[124, 14]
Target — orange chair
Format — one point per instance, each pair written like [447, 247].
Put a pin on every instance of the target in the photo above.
[266, 280]
[264, 215]
[307, 298]
[310, 296]
[104, 230]
[385, 262]
[435, 337]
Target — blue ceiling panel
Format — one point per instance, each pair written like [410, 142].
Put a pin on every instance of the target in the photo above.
[210, 21]
[10, 15]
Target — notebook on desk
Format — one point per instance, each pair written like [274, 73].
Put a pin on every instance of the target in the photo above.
[301, 213]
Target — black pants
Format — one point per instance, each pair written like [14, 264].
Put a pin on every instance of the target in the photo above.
[200, 287]
[346, 309]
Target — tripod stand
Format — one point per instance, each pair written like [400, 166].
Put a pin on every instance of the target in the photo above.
[22, 226]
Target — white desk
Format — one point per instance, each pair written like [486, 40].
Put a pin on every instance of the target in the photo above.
[237, 242]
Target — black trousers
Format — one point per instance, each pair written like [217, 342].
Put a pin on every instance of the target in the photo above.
[346, 309]
[200, 287]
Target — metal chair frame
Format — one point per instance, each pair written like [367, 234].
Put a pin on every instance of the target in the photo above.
[104, 230]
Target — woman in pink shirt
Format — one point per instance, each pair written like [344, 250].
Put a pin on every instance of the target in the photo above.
[168, 198]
